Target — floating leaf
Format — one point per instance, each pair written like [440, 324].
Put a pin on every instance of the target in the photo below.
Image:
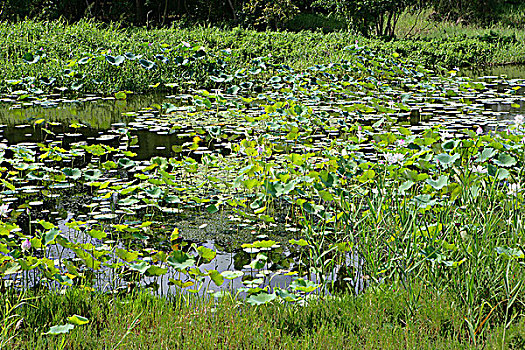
[126, 163]
[261, 298]
[77, 320]
[146, 64]
[131, 56]
[301, 242]
[230, 275]
[92, 174]
[72, 173]
[115, 61]
[30, 58]
[62, 329]
[303, 285]
[121, 95]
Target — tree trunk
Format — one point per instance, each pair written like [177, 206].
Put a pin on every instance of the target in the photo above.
[233, 10]
[166, 4]
[139, 11]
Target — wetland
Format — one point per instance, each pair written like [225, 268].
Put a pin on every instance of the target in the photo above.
[265, 184]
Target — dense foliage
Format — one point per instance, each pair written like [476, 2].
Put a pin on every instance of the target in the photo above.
[96, 58]
[336, 173]
[369, 17]
[331, 163]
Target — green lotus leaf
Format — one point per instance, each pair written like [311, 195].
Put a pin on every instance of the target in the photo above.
[154, 270]
[147, 64]
[92, 174]
[505, 160]
[72, 173]
[126, 163]
[230, 275]
[261, 298]
[180, 260]
[441, 182]
[30, 58]
[141, 267]
[77, 320]
[216, 277]
[60, 329]
[114, 61]
[206, 253]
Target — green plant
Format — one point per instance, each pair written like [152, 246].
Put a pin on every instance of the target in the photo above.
[10, 318]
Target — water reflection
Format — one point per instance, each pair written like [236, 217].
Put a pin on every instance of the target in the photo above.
[509, 71]
[95, 112]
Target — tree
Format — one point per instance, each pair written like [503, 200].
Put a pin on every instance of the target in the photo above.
[378, 17]
[269, 13]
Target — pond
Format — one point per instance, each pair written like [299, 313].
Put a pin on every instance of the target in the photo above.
[162, 191]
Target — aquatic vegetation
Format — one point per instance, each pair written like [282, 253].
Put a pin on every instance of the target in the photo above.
[274, 185]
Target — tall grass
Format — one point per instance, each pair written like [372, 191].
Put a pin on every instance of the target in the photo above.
[463, 238]
[423, 24]
[376, 319]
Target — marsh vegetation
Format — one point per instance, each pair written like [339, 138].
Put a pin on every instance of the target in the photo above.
[324, 187]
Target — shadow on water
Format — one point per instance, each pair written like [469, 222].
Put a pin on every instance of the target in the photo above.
[96, 112]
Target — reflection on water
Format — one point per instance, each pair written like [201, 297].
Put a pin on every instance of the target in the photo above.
[95, 112]
[273, 274]
[102, 116]
[509, 71]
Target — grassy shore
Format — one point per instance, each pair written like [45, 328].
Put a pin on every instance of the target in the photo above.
[76, 55]
[376, 319]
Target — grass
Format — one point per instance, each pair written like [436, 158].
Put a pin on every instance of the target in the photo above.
[420, 24]
[376, 319]
[505, 40]
[61, 46]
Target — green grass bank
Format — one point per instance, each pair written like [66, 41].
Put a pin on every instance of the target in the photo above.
[377, 319]
[89, 57]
